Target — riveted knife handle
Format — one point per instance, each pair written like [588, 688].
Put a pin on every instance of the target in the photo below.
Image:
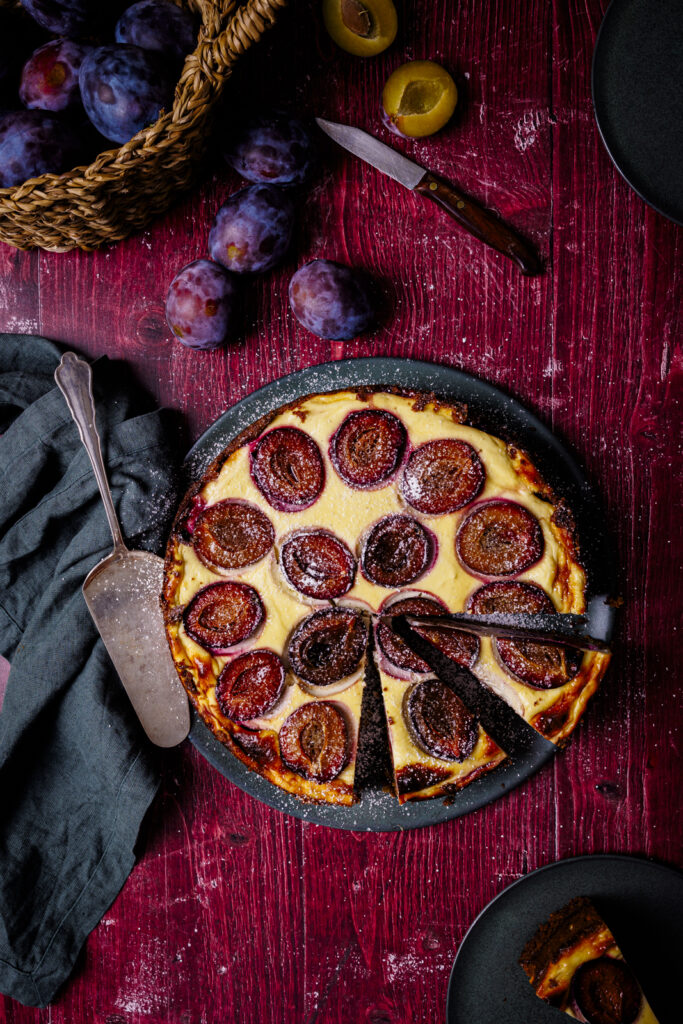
[480, 222]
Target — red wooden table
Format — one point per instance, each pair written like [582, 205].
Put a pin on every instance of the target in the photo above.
[233, 911]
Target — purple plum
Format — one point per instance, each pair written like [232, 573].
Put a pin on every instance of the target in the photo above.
[72, 18]
[124, 89]
[33, 142]
[275, 149]
[158, 25]
[201, 305]
[49, 80]
[253, 229]
[331, 300]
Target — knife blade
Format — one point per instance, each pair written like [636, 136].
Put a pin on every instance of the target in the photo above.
[559, 629]
[475, 219]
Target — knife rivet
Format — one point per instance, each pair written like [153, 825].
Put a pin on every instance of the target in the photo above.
[460, 204]
[433, 186]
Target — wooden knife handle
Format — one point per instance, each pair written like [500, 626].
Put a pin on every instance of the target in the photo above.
[481, 223]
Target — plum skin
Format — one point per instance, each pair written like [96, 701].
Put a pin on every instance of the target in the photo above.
[49, 79]
[331, 301]
[252, 230]
[71, 18]
[273, 149]
[158, 25]
[33, 142]
[124, 89]
[201, 305]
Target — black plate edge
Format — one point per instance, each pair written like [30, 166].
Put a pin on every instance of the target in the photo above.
[600, 37]
[641, 860]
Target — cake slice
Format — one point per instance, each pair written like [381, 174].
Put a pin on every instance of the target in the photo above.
[437, 745]
[573, 962]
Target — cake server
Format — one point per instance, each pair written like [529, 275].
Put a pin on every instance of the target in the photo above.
[122, 591]
[541, 627]
[481, 223]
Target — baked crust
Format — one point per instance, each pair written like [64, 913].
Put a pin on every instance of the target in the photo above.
[555, 713]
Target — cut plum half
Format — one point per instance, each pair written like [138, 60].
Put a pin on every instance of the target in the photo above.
[397, 550]
[605, 991]
[318, 564]
[499, 538]
[288, 469]
[442, 476]
[439, 721]
[367, 448]
[541, 666]
[232, 534]
[463, 648]
[328, 645]
[250, 685]
[314, 741]
[222, 615]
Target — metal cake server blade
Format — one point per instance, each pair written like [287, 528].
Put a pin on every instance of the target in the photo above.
[122, 591]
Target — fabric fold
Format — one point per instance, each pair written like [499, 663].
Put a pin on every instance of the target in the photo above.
[77, 773]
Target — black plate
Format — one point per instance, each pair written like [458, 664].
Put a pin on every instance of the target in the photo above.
[638, 98]
[640, 900]
[489, 408]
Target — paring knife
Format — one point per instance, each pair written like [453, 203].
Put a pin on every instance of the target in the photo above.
[542, 627]
[480, 222]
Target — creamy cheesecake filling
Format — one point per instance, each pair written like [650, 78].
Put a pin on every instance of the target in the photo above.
[350, 514]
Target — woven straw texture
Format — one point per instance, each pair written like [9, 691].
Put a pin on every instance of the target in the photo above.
[125, 188]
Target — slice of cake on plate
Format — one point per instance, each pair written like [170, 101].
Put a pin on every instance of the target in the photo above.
[573, 962]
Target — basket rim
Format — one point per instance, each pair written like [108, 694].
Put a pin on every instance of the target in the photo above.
[245, 20]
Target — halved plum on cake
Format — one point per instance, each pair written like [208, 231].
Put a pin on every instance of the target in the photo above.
[318, 516]
[574, 963]
[437, 745]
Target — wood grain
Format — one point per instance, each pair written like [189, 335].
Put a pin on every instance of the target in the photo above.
[234, 912]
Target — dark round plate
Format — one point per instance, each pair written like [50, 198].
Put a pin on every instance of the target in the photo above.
[638, 99]
[640, 900]
[489, 408]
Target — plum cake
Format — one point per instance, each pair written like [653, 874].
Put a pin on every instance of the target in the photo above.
[322, 516]
[574, 963]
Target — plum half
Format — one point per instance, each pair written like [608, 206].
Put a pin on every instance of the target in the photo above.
[397, 551]
[328, 645]
[222, 615]
[318, 564]
[439, 721]
[288, 469]
[367, 447]
[314, 741]
[232, 534]
[462, 648]
[604, 991]
[542, 666]
[418, 99]
[442, 476]
[499, 538]
[250, 685]
[361, 27]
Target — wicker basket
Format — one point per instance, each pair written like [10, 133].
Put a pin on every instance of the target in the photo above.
[126, 188]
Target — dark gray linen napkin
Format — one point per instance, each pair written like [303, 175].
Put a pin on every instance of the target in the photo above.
[76, 771]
